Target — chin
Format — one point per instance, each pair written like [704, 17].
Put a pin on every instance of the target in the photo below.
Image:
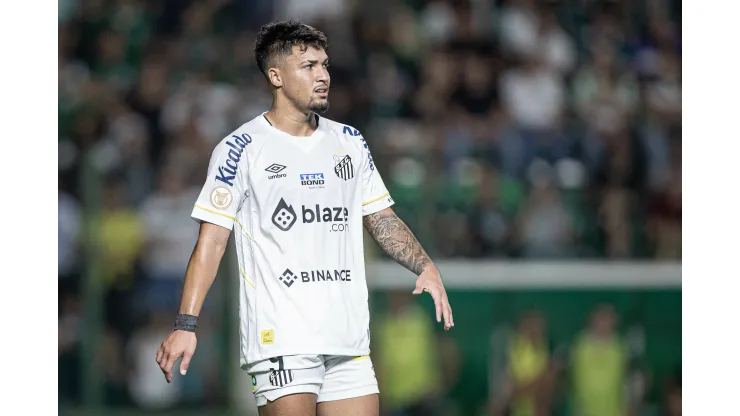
[320, 107]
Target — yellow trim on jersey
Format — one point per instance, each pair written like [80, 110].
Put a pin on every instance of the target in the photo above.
[226, 216]
[251, 283]
[376, 199]
[217, 213]
[362, 357]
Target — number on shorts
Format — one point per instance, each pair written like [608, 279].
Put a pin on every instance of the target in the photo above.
[279, 360]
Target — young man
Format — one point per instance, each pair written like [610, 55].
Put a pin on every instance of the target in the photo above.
[299, 188]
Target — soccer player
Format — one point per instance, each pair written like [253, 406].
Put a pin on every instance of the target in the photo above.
[297, 189]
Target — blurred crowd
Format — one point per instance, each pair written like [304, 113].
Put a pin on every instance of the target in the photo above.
[522, 128]
[600, 370]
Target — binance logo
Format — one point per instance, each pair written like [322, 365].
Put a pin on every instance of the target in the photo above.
[288, 278]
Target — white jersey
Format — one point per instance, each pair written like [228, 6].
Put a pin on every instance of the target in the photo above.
[298, 204]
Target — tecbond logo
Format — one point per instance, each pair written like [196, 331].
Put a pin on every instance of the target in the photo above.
[285, 216]
[312, 180]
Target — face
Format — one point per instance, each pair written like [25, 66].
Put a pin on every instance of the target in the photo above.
[533, 326]
[604, 321]
[303, 78]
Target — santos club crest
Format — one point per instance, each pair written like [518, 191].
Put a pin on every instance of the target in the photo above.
[343, 167]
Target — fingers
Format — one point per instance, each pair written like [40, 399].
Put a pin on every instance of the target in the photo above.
[419, 288]
[185, 363]
[166, 360]
[442, 308]
[448, 315]
[437, 302]
[178, 345]
[438, 305]
[444, 311]
[170, 362]
[160, 353]
[162, 361]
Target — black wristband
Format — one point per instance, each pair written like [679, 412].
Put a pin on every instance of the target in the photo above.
[186, 322]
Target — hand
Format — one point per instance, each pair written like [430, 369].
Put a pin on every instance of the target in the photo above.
[178, 344]
[431, 281]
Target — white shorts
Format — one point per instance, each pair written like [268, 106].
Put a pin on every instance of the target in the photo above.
[330, 377]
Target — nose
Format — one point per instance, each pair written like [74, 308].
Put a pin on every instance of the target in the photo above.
[322, 75]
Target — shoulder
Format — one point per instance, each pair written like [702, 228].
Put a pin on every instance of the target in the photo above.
[242, 138]
[345, 132]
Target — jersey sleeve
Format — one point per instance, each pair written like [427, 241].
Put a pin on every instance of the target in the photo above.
[375, 196]
[225, 186]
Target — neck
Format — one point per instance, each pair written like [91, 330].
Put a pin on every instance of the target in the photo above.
[290, 120]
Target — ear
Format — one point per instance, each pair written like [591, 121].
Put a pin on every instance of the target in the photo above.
[273, 74]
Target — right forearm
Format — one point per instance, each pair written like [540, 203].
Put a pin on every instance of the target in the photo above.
[200, 274]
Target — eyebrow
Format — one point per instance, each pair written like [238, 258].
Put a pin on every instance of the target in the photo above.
[313, 61]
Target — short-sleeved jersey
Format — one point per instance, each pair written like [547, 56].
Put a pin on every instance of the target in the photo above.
[296, 206]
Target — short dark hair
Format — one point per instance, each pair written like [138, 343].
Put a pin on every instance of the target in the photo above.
[279, 37]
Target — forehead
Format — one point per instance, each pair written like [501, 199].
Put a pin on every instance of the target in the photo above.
[303, 53]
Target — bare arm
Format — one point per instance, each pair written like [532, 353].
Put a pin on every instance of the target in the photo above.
[395, 238]
[201, 272]
[202, 268]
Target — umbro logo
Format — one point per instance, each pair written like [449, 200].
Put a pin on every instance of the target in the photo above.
[276, 169]
[288, 278]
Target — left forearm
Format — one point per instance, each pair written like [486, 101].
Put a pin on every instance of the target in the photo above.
[397, 240]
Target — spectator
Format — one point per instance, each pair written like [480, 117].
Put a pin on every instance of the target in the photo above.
[121, 243]
[69, 232]
[69, 333]
[533, 97]
[616, 222]
[408, 363]
[128, 132]
[519, 26]
[544, 229]
[555, 45]
[169, 237]
[599, 367]
[603, 95]
[145, 380]
[532, 373]
[672, 397]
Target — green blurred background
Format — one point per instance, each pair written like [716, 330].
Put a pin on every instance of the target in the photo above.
[534, 147]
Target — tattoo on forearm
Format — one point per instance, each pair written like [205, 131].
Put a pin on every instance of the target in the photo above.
[395, 238]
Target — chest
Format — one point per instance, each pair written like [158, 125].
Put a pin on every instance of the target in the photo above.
[325, 169]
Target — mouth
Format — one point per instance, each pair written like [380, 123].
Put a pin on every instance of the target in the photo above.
[323, 91]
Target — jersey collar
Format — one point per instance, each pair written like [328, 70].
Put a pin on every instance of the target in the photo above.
[317, 134]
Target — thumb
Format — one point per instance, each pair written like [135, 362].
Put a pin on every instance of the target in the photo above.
[185, 363]
[419, 289]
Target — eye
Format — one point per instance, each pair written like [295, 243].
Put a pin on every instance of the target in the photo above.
[309, 66]
[326, 65]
